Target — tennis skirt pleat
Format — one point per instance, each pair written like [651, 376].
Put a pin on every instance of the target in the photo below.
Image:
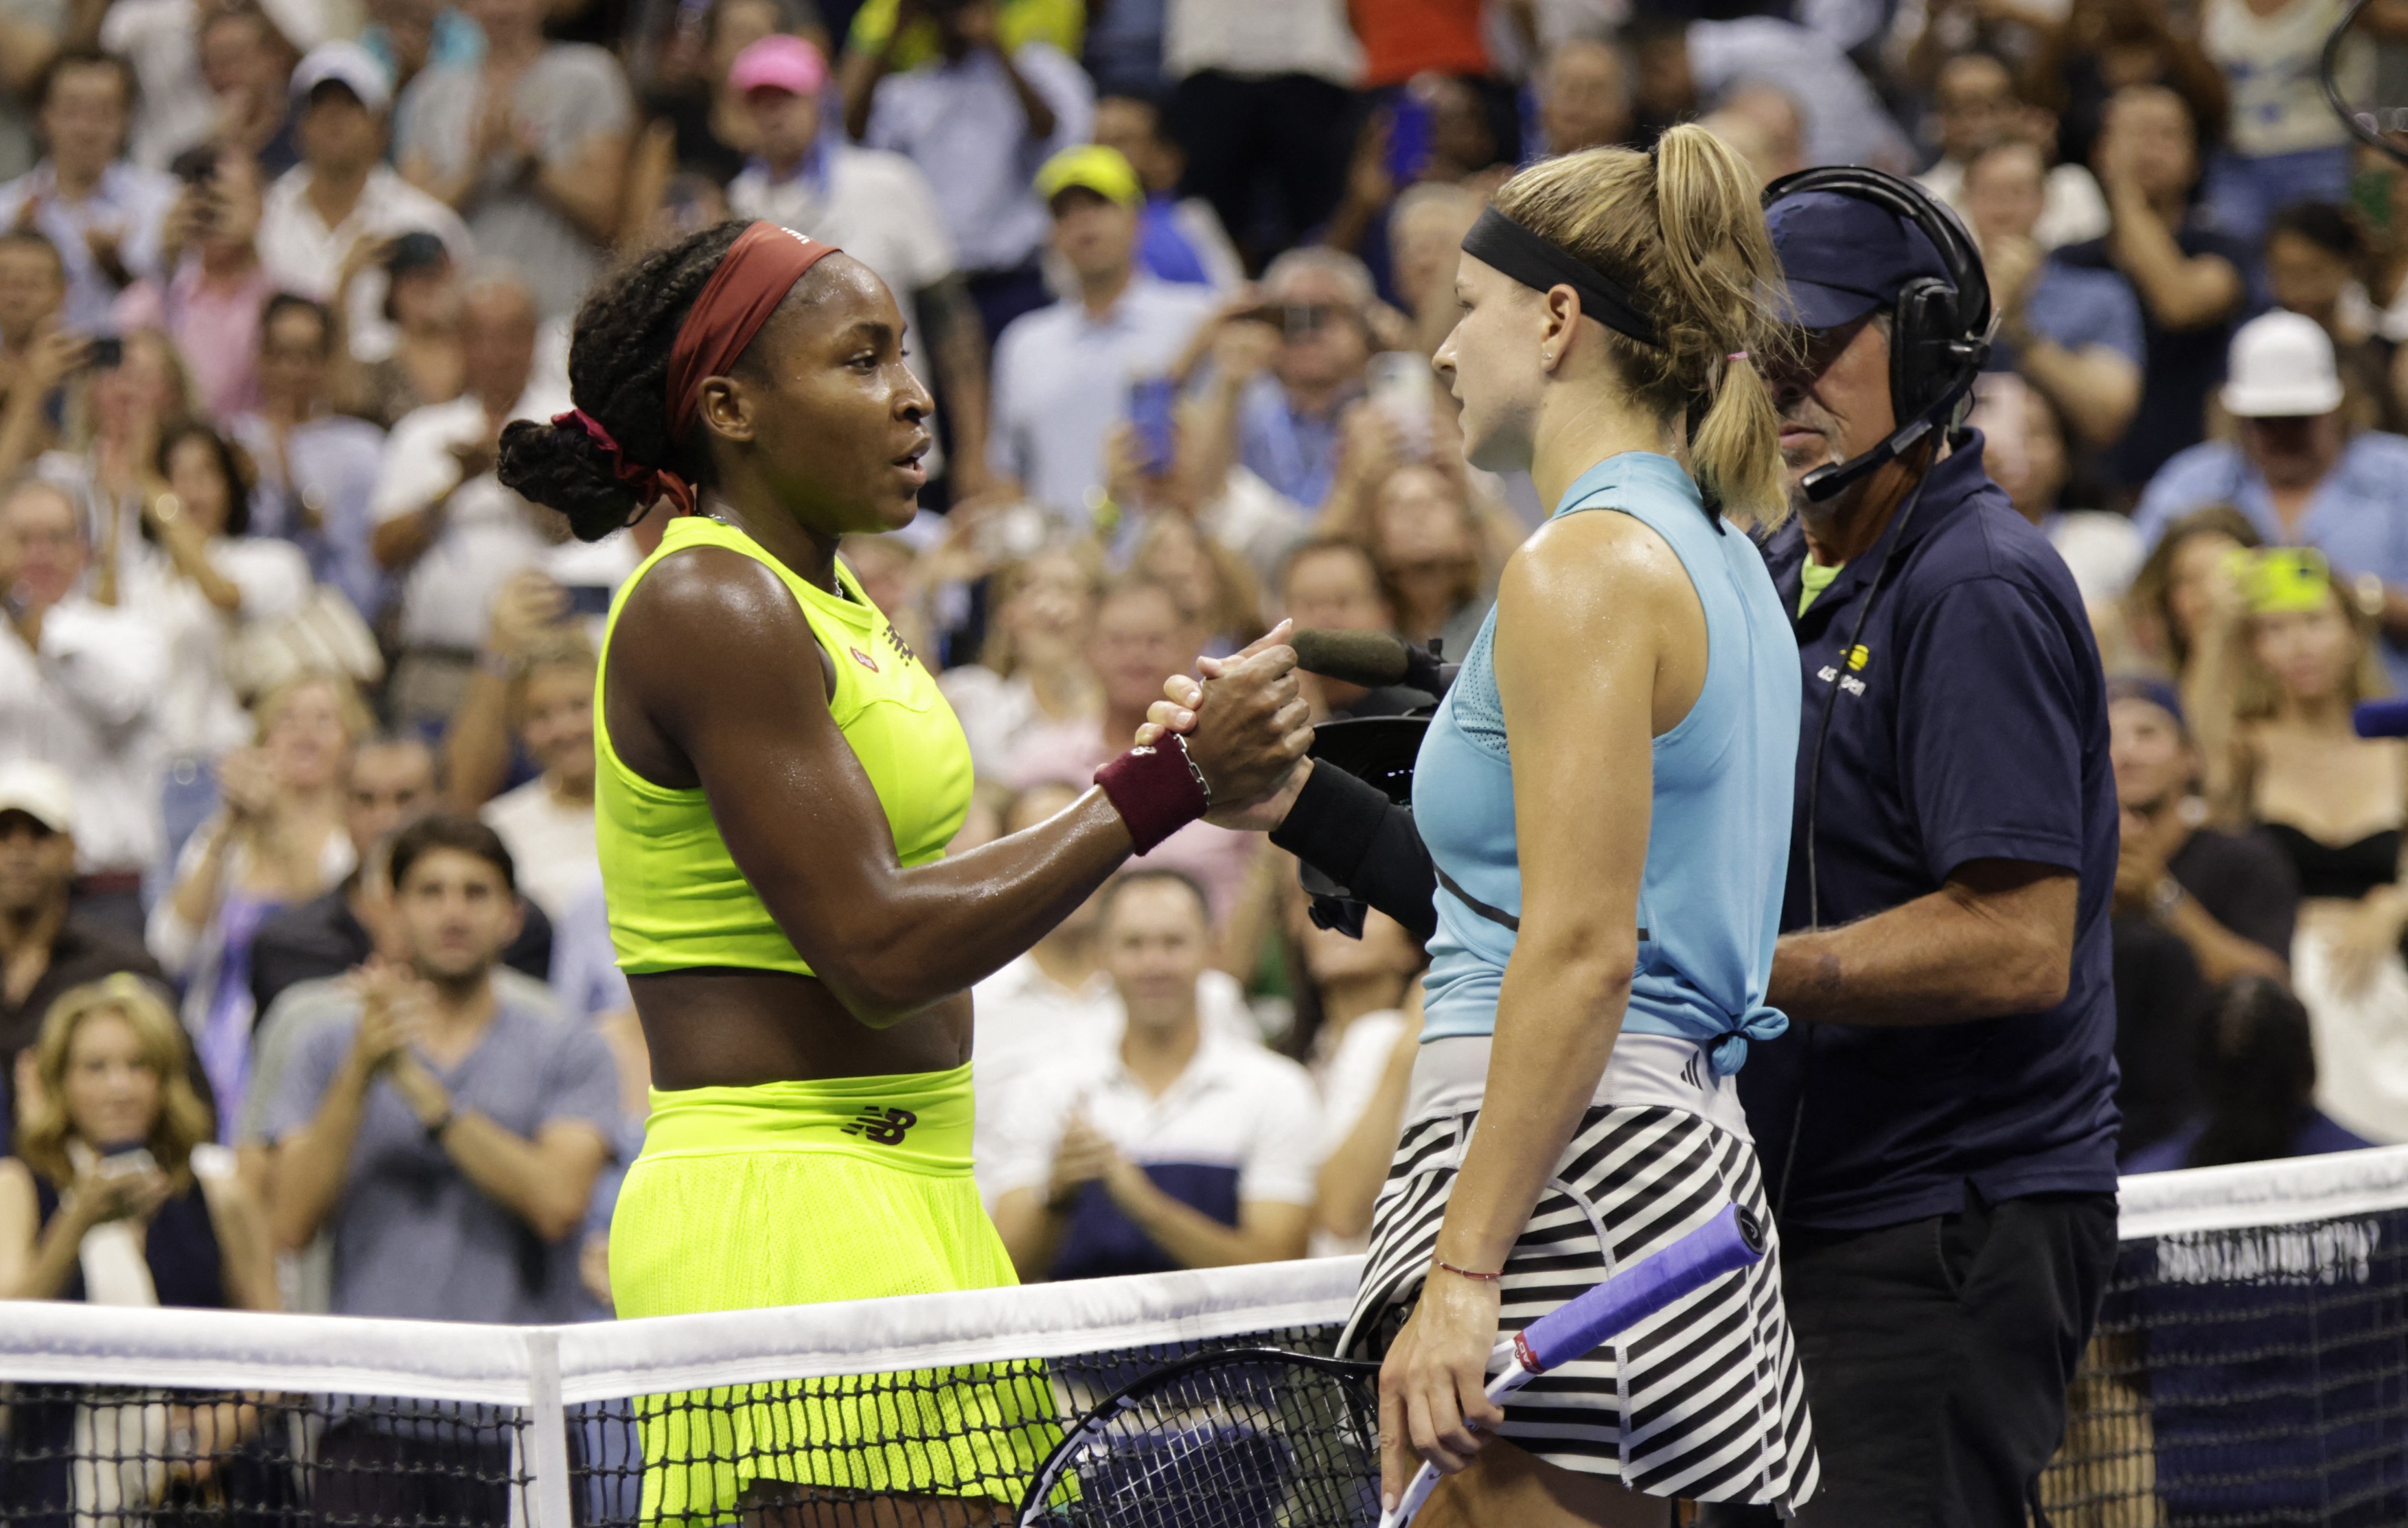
[1702, 1399]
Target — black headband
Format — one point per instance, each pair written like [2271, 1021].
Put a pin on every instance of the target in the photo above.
[1539, 263]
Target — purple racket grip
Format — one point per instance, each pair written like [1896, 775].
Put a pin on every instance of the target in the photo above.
[1731, 1241]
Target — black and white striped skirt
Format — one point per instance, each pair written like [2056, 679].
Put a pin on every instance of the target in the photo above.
[1703, 1399]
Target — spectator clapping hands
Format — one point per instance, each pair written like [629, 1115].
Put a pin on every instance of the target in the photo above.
[1085, 1156]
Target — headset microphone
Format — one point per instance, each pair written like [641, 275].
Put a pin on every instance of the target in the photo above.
[1939, 326]
[1831, 480]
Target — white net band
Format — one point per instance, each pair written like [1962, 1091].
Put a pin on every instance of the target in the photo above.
[439, 1361]
[2243, 1300]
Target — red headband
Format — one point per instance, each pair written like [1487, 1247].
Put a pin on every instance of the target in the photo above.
[753, 278]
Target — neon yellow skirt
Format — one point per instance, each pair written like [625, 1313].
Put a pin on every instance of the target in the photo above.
[796, 1194]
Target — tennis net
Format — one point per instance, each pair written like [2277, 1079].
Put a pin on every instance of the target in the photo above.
[2251, 1367]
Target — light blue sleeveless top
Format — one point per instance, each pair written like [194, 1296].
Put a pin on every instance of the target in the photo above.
[1719, 839]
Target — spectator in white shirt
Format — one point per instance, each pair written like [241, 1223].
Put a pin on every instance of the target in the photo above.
[1171, 1148]
[530, 147]
[444, 522]
[978, 119]
[210, 581]
[103, 214]
[80, 687]
[548, 823]
[1057, 997]
[1063, 374]
[317, 469]
[877, 208]
[341, 194]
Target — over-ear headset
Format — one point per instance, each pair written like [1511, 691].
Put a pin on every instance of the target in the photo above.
[1939, 327]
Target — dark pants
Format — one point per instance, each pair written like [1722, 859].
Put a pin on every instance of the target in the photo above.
[1271, 155]
[1937, 1355]
[366, 1474]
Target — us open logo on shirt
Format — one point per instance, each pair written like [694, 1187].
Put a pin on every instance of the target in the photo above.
[1858, 656]
[883, 1126]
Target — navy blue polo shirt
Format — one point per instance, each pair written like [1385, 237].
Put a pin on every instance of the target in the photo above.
[1970, 725]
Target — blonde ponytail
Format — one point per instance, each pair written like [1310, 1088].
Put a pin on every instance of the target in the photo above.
[1681, 226]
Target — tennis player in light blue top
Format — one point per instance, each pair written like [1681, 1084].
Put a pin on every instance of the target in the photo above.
[1718, 821]
[1604, 800]
[1605, 796]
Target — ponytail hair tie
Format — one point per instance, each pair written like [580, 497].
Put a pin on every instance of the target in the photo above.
[649, 484]
[1736, 355]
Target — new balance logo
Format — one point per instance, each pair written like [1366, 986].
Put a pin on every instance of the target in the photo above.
[896, 638]
[883, 1126]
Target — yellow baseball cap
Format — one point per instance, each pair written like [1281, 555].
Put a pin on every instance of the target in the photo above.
[1090, 166]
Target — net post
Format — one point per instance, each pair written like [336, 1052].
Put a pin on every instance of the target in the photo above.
[543, 1442]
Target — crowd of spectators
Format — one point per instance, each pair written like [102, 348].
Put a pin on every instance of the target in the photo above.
[303, 955]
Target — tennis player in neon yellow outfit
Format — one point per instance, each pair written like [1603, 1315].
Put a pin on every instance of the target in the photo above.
[779, 778]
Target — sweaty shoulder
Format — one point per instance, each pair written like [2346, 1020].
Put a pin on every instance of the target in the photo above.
[707, 599]
[1591, 562]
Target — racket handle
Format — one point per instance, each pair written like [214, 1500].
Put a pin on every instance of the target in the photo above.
[1731, 1241]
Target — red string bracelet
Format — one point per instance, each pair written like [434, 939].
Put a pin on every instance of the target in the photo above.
[1468, 1273]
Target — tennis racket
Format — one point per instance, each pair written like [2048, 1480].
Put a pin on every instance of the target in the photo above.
[1254, 1437]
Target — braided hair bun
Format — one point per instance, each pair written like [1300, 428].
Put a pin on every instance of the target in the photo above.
[618, 374]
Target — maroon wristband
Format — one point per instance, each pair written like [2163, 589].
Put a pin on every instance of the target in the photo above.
[1157, 790]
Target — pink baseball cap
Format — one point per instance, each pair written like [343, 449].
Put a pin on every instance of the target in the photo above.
[779, 63]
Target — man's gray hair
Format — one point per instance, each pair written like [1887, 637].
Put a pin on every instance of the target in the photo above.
[1344, 268]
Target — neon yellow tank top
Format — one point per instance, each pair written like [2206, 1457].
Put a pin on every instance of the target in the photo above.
[676, 898]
